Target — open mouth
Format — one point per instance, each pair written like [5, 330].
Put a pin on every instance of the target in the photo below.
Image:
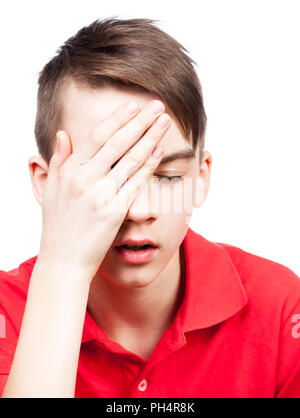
[136, 247]
[136, 254]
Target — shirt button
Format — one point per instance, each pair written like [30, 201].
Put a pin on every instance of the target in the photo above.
[143, 385]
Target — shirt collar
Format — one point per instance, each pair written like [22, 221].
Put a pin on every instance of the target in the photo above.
[213, 289]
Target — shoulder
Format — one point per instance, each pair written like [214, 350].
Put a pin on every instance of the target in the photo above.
[273, 292]
[13, 292]
[16, 281]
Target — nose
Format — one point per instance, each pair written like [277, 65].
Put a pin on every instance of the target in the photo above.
[143, 208]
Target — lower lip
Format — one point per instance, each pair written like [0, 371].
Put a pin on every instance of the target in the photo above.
[136, 257]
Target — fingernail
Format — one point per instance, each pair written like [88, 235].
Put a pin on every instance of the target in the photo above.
[132, 107]
[157, 107]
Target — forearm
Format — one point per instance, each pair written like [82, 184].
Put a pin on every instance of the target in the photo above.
[46, 358]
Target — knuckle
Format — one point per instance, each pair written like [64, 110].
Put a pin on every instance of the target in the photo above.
[97, 204]
[113, 148]
[98, 137]
[150, 164]
[104, 211]
[133, 161]
[115, 121]
[99, 196]
[111, 185]
[109, 125]
[92, 204]
[76, 186]
[152, 136]
[142, 121]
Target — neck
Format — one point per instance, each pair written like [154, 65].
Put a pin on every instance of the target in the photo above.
[138, 311]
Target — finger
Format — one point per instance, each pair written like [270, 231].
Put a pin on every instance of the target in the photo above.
[62, 150]
[130, 190]
[104, 130]
[121, 141]
[137, 156]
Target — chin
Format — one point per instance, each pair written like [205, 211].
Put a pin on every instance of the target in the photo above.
[130, 283]
[128, 280]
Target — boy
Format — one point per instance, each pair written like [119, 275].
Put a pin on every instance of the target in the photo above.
[124, 299]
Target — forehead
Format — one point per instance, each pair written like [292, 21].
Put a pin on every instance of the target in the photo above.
[84, 108]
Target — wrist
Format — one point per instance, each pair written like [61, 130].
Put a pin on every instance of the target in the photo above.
[68, 272]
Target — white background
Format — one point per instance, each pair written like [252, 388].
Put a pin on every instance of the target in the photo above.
[248, 60]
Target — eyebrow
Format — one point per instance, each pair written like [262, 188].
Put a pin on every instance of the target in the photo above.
[187, 153]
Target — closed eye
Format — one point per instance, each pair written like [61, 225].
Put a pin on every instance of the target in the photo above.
[168, 179]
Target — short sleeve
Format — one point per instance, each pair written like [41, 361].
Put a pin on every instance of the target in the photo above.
[13, 294]
[7, 342]
[6, 350]
[3, 380]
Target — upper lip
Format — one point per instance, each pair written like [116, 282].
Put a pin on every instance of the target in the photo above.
[135, 242]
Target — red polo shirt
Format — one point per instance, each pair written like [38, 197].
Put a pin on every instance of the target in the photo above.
[236, 333]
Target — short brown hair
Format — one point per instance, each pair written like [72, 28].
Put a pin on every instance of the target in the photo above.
[132, 53]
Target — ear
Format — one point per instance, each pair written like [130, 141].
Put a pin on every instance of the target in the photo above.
[38, 169]
[203, 180]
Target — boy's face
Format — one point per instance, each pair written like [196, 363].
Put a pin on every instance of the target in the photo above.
[156, 213]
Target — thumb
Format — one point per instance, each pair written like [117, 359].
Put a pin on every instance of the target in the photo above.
[62, 150]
